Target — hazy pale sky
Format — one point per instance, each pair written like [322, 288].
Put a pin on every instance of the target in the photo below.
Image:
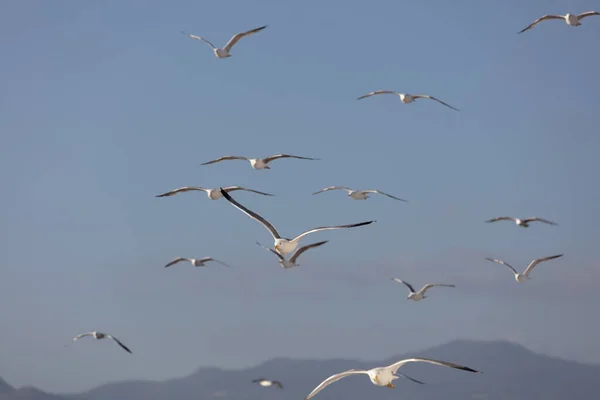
[103, 105]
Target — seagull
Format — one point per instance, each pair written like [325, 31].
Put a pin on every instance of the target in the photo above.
[100, 335]
[212, 194]
[224, 52]
[525, 275]
[358, 194]
[259, 163]
[284, 245]
[420, 295]
[266, 383]
[292, 261]
[522, 222]
[406, 98]
[570, 19]
[196, 262]
[383, 376]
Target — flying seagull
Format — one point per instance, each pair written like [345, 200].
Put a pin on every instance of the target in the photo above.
[259, 163]
[266, 383]
[284, 245]
[525, 275]
[522, 222]
[212, 194]
[292, 261]
[420, 295]
[196, 262]
[358, 194]
[224, 52]
[383, 376]
[100, 335]
[570, 19]
[406, 98]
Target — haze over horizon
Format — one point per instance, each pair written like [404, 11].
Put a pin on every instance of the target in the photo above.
[105, 105]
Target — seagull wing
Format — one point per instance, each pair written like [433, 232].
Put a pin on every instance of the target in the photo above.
[587, 14]
[537, 21]
[408, 285]
[119, 343]
[430, 285]
[503, 263]
[326, 228]
[334, 378]
[233, 188]
[501, 219]
[252, 215]
[181, 190]
[383, 193]
[176, 260]
[532, 264]
[302, 249]
[426, 96]
[394, 367]
[235, 38]
[275, 157]
[199, 38]
[225, 158]
[204, 259]
[333, 188]
[378, 92]
[82, 335]
[272, 251]
[526, 220]
[278, 384]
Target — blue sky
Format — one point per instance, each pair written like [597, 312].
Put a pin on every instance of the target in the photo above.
[103, 105]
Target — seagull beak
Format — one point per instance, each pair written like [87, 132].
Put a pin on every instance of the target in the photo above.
[390, 385]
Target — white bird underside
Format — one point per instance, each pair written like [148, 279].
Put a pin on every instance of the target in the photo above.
[383, 376]
[259, 163]
[524, 222]
[213, 194]
[196, 262]
[358, 194]
[406, 98]
[570, 19]
[525, 275]
[284, 245]
[414, 295]
[292, 260]
[225, 51]
[99, 335]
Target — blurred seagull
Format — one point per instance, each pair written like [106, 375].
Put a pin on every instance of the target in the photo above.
[358, 194]
[406, 98]
[420, 295]
[292, 261]
[100, 335]
[259, 163]
[224, 52]
[213, 194]
[525, 275]
[266, 383]
[522, 222]
[570, 19]
[284, 245]
[196, 262]
[383, 376]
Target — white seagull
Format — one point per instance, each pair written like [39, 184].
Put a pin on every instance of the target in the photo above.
[196, 262]
[383, 376]
[522, 222]
[259, 163]
[570, 19]
[100, 335]
[213, 194]
[525, 275]
[284, 245]
[420, 295]
[292, 261]
[224, 52]
[406, 98]
[266, 383]
[358, 194]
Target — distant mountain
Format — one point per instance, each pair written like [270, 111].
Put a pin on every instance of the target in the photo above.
[510, 372]
[5, 387]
